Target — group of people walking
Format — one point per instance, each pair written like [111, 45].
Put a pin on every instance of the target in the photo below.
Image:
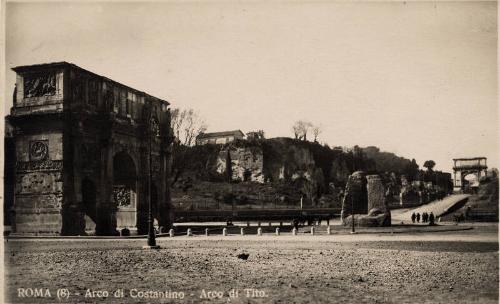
[426, 217]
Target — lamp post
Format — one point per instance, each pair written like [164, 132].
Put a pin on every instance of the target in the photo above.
[153, 129]
[352, 215]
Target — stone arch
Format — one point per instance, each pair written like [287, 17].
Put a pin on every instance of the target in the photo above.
[129, 151]
[469, 176]
[470, 180]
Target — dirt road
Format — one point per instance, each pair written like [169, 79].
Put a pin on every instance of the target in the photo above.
[415, 268]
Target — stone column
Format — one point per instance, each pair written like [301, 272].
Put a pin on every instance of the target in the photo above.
[73, 222]
[77, 188]
[376, 193]
[104, 224]
[377, 201]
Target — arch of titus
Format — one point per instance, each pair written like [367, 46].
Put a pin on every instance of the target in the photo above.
[81, 144]
[464, 166]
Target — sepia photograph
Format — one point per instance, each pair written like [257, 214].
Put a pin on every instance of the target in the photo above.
[249, 151]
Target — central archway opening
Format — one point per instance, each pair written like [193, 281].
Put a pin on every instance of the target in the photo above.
[125, 190]
[470, 182]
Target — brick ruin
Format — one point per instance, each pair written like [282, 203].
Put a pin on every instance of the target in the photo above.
[81, 144]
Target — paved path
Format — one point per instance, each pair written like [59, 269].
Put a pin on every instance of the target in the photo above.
[436, 207]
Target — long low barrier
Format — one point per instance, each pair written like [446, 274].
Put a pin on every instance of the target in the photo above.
[245, 231]
[255, 214]
[288, 230]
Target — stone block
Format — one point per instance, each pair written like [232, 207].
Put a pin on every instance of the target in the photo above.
[368, 197]
[355, 195]
[376, 193]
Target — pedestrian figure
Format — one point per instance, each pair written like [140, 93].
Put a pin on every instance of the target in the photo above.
[431, 219]
[424, 217]
[413, 216]
[418, 217]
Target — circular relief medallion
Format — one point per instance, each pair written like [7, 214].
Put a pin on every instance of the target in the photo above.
[38, 150]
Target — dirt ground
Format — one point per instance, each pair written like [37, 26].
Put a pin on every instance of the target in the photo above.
[439, 267]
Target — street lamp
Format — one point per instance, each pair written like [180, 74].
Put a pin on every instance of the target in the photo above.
[154, 130]
[352, 215]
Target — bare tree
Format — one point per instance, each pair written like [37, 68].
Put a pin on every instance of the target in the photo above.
[300, 129]
[176, 121]
[186, 125]
[317, 130]
[296, 130]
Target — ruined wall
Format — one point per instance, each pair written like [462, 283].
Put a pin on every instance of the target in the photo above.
[246, 163]
[280, 162]
[355, 195]
[378, 208]
[285, 160]
[367, 193]
[376, 194]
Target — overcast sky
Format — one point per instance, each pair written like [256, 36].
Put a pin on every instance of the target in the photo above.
[417, 79]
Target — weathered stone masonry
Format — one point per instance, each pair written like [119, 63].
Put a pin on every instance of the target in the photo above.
[82, 153]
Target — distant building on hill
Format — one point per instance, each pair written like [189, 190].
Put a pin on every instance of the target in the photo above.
[255, 135]
[219, 137]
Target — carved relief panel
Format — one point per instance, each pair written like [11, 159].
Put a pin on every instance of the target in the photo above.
[39, 182]
[43, 165]
[39, 150]
[123, 196]
[41, 201]
[40, 84]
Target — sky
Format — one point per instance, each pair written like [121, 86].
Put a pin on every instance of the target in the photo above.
[418, 79]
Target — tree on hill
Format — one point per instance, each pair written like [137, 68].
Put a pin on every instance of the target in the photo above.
[429, 164]
[411, 170]
[316, 132]
[300, 129]
[186, 125]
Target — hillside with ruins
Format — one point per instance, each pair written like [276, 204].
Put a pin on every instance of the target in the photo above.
[277, 173]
